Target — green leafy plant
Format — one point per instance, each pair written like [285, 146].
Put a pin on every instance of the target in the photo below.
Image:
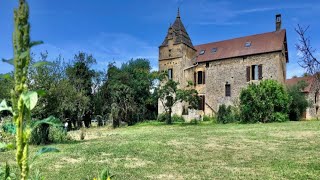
[5, 172]
[104, 175]
[8, 126]
[23, 101]
[58, 135]
[299, 102]
[177, 118]
[162, 117]
[211, 118]
[169, 94]
[260, 102]
[194, 121]
[228, 114]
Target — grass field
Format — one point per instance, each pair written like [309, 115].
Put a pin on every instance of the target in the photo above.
[288, 150]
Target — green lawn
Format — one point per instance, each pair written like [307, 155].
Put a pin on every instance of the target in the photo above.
[288, 150]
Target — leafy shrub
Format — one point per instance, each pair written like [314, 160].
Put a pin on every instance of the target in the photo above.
[211, 118]
[227, 114]
[6, 146]
[7, 132]
[299, 102]
[206, 118]
[279, 117]
[162, 117]
[259, 103]
[194, 121]
[176, 118]
[40, 135]
[8, 126]
[5, 172]
[58, 135]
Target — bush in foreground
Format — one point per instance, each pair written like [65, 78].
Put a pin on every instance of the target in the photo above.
[265, 102]
[228, 114]
[299, 102]
[175, 118]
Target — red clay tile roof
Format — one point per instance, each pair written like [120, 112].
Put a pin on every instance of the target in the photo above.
[308, 79]
[260, 43]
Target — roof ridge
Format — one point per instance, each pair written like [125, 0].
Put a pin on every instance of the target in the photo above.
[243, 37]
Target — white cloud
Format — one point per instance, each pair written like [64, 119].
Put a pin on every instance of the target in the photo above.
[225, 12]
[106, 48]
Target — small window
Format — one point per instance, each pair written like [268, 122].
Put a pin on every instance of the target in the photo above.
[207, 64]
[248, 44]
[214, 50]
[200, 77]
[169, 52]
[202, 52]
[254, 72]
[228, 90]
[170, 74]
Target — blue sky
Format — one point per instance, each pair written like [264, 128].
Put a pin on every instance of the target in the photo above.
[117, 30]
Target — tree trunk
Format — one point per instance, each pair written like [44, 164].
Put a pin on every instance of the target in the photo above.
[169, 120]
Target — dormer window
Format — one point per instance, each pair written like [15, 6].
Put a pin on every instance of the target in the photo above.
[202, 52]
[214, 50]
[248, 44]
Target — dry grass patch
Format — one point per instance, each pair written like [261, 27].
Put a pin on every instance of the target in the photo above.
[205, 151]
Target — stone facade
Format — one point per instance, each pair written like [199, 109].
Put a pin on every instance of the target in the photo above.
[236, 71]
[312, 112]
[233, 72]
[311, 91]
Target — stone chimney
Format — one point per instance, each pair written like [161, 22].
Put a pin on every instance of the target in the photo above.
[278, 22]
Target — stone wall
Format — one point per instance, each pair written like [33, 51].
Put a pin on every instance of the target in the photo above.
[233, 72]
[312, 112]
[180, 58]
[217, 74]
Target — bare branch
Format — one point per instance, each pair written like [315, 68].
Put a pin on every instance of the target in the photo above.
[307, 59]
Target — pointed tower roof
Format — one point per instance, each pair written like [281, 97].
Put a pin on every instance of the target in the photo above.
[178, 32]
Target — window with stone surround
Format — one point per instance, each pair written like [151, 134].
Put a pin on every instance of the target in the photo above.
[228, 89]
[254, 72]
[201, 77]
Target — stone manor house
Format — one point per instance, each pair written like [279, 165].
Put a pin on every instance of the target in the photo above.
[219, 70]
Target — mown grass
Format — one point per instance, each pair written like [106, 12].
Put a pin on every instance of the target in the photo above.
[288, 150]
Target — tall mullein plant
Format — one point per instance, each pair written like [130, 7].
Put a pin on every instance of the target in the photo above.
[21, 114]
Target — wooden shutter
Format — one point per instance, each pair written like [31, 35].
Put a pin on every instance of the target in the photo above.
[248, 73]
[195, 79]
[260, 71]
[204, 77]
